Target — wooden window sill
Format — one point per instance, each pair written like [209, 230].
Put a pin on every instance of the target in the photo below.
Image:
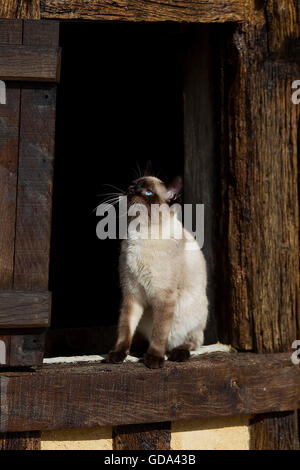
[59, 396]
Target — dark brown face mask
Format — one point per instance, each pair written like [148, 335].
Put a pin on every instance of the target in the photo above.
[149, 190]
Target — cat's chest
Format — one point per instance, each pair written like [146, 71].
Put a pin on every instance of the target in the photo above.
[142, 260]
[148, 264]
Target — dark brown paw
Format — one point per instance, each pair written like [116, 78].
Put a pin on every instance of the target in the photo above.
[153, 362]
[115, 357]
[179, 355]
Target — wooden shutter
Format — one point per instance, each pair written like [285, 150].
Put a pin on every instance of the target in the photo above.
[29, 66]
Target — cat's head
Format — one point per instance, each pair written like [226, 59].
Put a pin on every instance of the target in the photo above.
[149, 190]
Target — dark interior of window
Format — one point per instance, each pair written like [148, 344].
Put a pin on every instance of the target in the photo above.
[119, 105]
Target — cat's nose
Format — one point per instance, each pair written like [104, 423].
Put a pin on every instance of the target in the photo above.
[131, 190]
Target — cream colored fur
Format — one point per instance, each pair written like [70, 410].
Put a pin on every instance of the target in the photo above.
[151, 271]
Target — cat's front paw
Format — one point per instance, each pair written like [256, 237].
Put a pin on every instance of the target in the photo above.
[115, 357]
[153, 362]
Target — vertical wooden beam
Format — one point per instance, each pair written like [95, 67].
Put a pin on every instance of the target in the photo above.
[261, 200]
[154, 436]
[274, 431]
[20, 9]
[200, 156]
[35, 174]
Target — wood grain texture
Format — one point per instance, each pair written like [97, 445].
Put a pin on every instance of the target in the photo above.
[202, 11]
[24, 309]
[23, 9]
[153, 436]
[43, 33]
[32, 248]
[35, 175]
[274, 431]
[21, 441]
[23, 63]
[261, 200]
[9, 148]
[262, 196]
[82, 395]
[33, 207]
[10, 32]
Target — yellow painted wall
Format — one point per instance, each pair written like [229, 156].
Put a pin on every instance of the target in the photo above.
[211, 434]
[202, 434]
[78, 439]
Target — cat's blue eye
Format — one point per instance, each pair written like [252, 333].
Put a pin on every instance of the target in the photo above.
[148, 192]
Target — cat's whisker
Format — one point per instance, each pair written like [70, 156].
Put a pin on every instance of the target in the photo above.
[112, 202]
[115, 187]
[107, 196]
[110, 194]
[109, 202]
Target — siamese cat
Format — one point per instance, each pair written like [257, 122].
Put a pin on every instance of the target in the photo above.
[163, 281]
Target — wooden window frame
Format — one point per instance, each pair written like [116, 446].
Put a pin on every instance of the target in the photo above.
[260, 56]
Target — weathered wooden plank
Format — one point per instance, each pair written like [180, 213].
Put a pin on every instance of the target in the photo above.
[68, 395]
[153, 436]
[24, 309]
[44, 33]
[35, 176]
[21, 441]
[35, 188]
[9, 148]
[204, 11]
[20, 9]
[274, 431]
[261, 198]
[24, 63]
[11, 31]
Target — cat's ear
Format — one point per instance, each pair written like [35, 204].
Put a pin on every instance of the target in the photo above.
[148, 170]
[174, 189]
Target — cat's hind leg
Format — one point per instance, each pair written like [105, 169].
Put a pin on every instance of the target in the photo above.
[163, 313]
[180, 354]
[193, 341]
